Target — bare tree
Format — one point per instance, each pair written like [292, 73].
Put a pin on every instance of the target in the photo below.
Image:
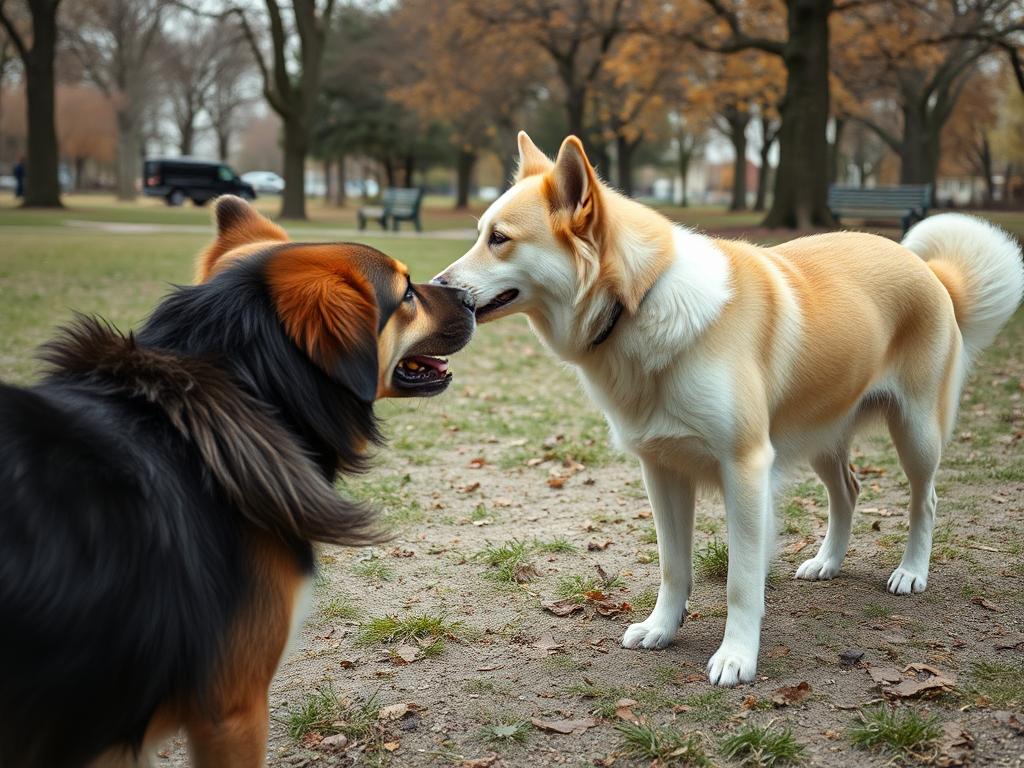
[42, 186]
[191, 66]
[291, 91]
[114, 40]
[228, 94]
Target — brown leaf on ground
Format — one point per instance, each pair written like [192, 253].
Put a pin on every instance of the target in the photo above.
[933, 681]
[404, 654]
[338, 741]
[524, 572]
[534, 461]
[469, 488]
[797, 546]
[391, 746]
[564, 607]
[597, 546]
[624, 710]
[988, 605]
[954, 746]
[547, 643]
[479, 762]
[402, 552]
[398, 711]
[884, 675]
[564, 726]
[478, 463]
[611, 608]
[778, 651]
[556, 481]
[749, 702]
[791, 695]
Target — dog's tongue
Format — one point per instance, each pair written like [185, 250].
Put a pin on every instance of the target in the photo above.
[441, 366]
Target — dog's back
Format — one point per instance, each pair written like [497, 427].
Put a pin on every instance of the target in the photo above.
[110, 542]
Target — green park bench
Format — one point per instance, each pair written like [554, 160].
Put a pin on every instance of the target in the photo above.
[908, 203]
[397, 204]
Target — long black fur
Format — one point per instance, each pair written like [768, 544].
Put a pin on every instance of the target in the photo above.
[129, 477]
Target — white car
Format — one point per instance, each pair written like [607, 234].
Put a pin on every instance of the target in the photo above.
[264, 182]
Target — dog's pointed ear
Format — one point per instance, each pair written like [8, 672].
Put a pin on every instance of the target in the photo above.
[238, 224]
[574, 186]
[531, 160]
[329, 310]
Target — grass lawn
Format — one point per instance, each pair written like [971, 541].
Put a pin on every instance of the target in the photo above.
[504, 492]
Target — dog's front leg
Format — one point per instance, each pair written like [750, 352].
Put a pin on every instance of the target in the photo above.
[672, 499]
[747, 487]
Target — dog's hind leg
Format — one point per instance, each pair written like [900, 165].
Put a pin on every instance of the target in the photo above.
[748, 499]
[841, 483]
[673, 500]
[917, 434]
[238, 739]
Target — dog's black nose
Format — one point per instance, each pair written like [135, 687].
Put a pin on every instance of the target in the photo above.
[467, 299]
[440, 280]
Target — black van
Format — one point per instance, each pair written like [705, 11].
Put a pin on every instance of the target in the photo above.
[177, 178]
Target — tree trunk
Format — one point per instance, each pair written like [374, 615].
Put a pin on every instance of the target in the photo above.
[685, 155]
[127, 153]
[801, 180]
[410, 170]
[464, 163]
[914, 150]
[328, 171]
[223, 143]
[42, 179]
[763, 173]
[738, 120]
[293, 199]
[985, 166]
[575, 108]
[340, 193]
[79, 173]
[624, 150]
[188, 133]
[833, 156]
[1008, 186]
[389, 171]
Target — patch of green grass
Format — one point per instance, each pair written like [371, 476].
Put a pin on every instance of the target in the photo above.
[427, 631]
[712, 560]
[323, 712]
[576, 587]
[1000, 683]
[662, 745]
[509, 562]
[561, 662]
[876, 611]
[604, 697]
[556, 546]
[504, 730]
[645, 601]
[763, 746]
[649, 535]
[374, 569]
[479, 513]
[338, 609]
[708, 707]
[647, 557]
[902, 730]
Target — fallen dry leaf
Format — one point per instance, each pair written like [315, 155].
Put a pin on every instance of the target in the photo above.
[534, 461]
[596, 546]
[749, 702]
[398, 711]
[564, 607]
[624, 710]
[797, 546]
[404, 654]
[988, 605]
[791, 695]
[402, 552]
[478, 463]
[391, 746]
[556, 481]
[910, 688]
[547, 643]
[565, 726]
[469, 488]
[884, 675]
[338, 741]
[480, 762]
[954, 746]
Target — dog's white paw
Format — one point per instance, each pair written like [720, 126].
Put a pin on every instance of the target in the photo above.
[904, 581]
[732, 664]
[649, 634]
[818, 569]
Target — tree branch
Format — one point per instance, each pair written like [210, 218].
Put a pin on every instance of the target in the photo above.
[13, 34]
[887, 136]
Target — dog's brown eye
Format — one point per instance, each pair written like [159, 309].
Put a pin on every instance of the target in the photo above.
[497, 238]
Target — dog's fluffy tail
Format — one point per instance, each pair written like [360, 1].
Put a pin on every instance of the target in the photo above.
[981, 267]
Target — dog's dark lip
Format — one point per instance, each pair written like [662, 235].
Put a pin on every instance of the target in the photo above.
[422, 375]
[499, 301]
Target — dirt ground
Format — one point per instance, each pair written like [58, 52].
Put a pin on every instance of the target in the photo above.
[515, 454]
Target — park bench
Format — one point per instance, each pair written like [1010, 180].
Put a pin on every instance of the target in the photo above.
[397, 204]
[908, 203]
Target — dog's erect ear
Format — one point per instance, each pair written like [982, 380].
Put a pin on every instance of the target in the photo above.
[329, 309]
[238, 224]
[573, 187]
[531, 160]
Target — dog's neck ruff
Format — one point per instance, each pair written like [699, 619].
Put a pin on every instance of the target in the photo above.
[609, 327]
[255, 459]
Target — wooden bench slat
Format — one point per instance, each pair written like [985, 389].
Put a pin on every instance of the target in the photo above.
[399, 204]
[907, 203]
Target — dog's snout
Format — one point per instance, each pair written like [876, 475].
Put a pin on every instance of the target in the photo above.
[466, 298]
[441, 279]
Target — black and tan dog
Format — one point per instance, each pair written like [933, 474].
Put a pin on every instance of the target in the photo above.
[160, 492]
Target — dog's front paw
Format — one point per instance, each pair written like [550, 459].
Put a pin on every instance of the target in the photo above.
[818, 568]
[649, 634]
[904, 581]
[732, 664]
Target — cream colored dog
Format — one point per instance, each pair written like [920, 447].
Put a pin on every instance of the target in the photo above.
[718, 362]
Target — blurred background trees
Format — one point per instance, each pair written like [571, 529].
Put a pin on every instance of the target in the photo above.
[747, 103]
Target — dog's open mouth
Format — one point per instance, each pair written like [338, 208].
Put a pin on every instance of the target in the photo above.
[422, 375]
[499, 301]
